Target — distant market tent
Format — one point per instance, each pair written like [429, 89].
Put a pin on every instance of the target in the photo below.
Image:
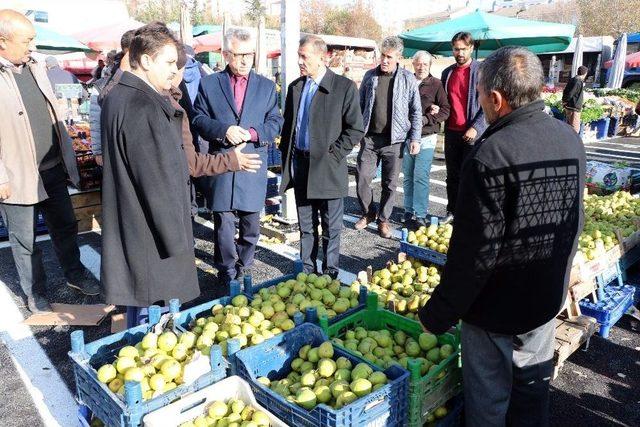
[577, 57]
[615, 75]
[104, 39]
[53, 43]
[490, 32]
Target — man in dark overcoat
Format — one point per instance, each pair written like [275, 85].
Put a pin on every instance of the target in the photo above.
[322, 124]
[233, 106]
[147, 239]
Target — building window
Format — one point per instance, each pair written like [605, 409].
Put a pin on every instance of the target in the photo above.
[40, 16]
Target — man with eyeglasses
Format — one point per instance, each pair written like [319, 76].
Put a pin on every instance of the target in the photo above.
[236, 106]
[466, 120]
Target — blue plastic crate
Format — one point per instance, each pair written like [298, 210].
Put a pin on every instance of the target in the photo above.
[418, 252]
[615, 301]
[601, 127]
[274, 156]
[611, 276]
[250, 289]
[41, 227]
[84, 416]
[273, 185]
[106, 405]
[635, 282]
[384, 407]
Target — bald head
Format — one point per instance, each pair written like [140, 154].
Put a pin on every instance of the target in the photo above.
[17, 37]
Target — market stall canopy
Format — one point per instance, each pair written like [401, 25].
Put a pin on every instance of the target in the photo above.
[348, 42]
[208, 42]
[577, 57]
[615, 76]
[206, 29]
[633, 38]
[50, 42]
[197, 30]
[631, 61]
[490, 32]
[107, 38]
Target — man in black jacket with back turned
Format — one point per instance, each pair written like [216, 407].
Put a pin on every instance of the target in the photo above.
[322, 123]
[573, 98]
[518, 218]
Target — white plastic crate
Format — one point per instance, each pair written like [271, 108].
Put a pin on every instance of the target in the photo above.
[190, 407]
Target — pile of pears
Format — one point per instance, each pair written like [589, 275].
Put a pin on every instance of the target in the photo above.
[317, 378]
[327, 295]
[603, 215]
[407, 285]
[385, 348]
[434, 237]
[158, 361]
[233, 412]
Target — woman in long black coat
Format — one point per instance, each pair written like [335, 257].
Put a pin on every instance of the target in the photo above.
[147, 239]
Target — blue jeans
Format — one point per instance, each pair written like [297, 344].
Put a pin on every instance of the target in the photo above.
[416, 170]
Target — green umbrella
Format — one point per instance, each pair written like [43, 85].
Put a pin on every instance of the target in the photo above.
[490, 33]
[48, 41]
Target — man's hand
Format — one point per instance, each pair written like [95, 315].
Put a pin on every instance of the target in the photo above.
[98, 158]
[5, 191]
[237, 135]
[470, 135]
[414, 147]
[248, 162]
[435, 109]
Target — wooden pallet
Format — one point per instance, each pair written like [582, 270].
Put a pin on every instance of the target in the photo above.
[571, 334]
[284, 236]
[87, 207]
[576, 292]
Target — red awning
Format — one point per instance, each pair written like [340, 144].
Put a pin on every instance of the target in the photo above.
[632, 61]
[104, 39]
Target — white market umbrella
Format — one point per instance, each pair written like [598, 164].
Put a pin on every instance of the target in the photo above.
[616, 72]
[577, 57]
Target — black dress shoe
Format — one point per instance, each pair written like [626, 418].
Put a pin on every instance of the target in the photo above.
[85, 283]
[38, 304]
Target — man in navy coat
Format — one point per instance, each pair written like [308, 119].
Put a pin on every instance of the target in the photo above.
[233, 106]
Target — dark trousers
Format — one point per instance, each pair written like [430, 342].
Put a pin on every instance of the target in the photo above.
[373, 150]
[20, 221]
[311, 212]
[455, 151]
[506, 377]
[232, 257]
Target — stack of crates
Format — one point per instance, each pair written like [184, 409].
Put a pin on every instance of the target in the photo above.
[426, 392]
[614, 299]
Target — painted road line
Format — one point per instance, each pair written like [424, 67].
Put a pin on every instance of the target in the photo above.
[42, 238]
[55, 404]
[615, 150]
[611, 156]
[432, 198]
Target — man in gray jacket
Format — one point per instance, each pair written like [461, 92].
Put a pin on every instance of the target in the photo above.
[392, 113]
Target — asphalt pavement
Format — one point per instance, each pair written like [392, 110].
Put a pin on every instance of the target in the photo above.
[598, 387]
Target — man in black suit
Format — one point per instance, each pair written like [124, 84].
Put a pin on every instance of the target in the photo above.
[322, 123]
